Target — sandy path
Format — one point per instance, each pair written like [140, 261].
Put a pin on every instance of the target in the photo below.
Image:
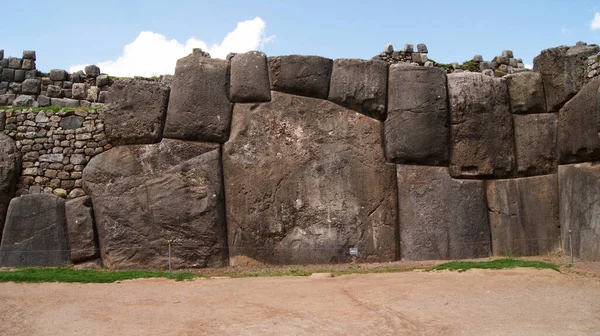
[510, 302]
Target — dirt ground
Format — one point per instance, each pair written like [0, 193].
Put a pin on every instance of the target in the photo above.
[476, 302]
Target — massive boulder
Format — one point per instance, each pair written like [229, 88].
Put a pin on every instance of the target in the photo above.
[249, 81]
[35, 233]
[80, 226]
[481, 126]
[523, 215]
[535, 143]
[305, 181]
[440, 217]
[579, 188]
[563, 71]
[578, 139]
[301, 75]
[360, 85]
[199, 107]
[526, 92]
[136, 112]
[417, 129]
[147, 195]
[10, 167]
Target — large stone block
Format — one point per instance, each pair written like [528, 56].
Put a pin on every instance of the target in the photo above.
[523, 215]
[136, 112]
[249, 81]
[579, 188]
[440, 217]
[526, 92]
[301, 75]
[8, 75]
[58, 75]
[80, 227]
[535, 143]
[146, 195]
[10, 167]
[31, 87]
[417, 128]
[563, 71]
[578, 139]
[481, 126]
[199, 108]
[360, 85]
[305, 181]
[35, 233]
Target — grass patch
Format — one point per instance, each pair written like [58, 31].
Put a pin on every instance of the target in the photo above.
[497, 264]
[49, 108]
[37, 275]
[294, 272]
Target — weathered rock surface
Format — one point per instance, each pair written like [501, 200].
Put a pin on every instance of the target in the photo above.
[136, 112]
[145, 195]
[523, 215]
[579, 187]
[249, 81]
[35, 232]
[417, 127]
[199, 107]
[563, 71]
[440, 217]
[10, 167]
[80, 226]
[526, 92]
[301, 75]
[360, 85]
[535, 143]
[481, 126]
[305, 181]
[578, 139]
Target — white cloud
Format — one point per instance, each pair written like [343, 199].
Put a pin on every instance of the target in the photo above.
[152, 54]
[595, 25]
[528, 66]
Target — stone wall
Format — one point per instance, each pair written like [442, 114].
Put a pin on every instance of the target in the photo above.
[303, 159]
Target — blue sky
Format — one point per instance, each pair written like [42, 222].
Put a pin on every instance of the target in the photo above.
[67, 33]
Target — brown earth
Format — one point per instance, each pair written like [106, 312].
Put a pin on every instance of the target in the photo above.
[476, 302]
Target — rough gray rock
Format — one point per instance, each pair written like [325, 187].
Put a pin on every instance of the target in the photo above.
[579, 188]
[249, 80]
[526, 92]
[301, 75]
[35, 232]
[79, 91]
[481, 126]
[578, 139]
[199, 108]
[440, 217]
[523, 215]
[145, 195]
[31, 87]
[64, 102]
[535, 143]
[54, 91]
[58, 75]
[416, 129]
[92, 71]
[563, 72]
[305, 181]
[8, 75]
[29, 54]
[136, 112]
[80, 226]
[71, 122]
[360, 85]
[10, 167]
[25, 100]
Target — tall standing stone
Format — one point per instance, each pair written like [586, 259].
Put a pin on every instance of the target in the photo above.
[136, 112]
[481, 126]
[579, 187]
[305, 181]
[307, 76]
[10, 167]
[523, 216]
[360, 85]
[578, 138]
[563, 71]
[535, 143]
[416, 129]
[80, 227]
[35, 232]
[249, 78]
[440, 217]
[526, 93]
[199, 107]
[146, 195]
